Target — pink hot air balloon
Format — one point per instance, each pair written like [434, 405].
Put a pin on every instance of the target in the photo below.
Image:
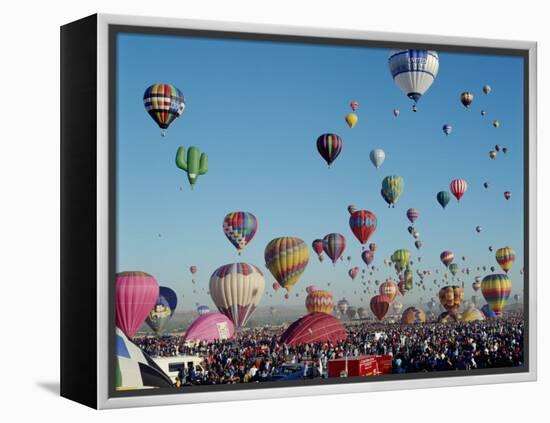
[412, 215]
[368, 257]
[458, 187]
[210, 327]
[135, 296]
[311, 288]
[353, 272]
[317, 246]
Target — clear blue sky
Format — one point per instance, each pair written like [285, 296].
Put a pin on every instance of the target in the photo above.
[257, 109]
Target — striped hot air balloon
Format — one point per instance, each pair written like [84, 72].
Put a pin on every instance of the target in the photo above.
[236, 290]
[412, 215]
[379, 305]
[505, 258]
[286, 258]
[334, 245]
[319, 301]
[458, 187]
[392, 188]
[401, 257]
[164, 103]
[466, 98]
[363, 224]
[451, 297]
[329, 147]
[447, 257]
[240, 227]
[496, 290]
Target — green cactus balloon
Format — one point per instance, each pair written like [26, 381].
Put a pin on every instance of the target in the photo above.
[195, 164]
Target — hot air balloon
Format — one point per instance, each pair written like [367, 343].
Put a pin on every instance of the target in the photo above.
[451, 298]
[483, 113]
[135, 296]
[210, 327]
[396, 112]
[352, 209]
[408, 278]
[351, 313]
[329, 147]
[413, 315]
[487, 312]
[401, 287]
[276, 286]
[496, 289]
[412, 215]
[317, 246]
[492, 154]
[447, 129]
[354, 105]
[240, 227]
[458, 187]
[164, 103]
[478, 229]
[397, 307]
[362, 224]
[159, 315]
[507, 195]
[505, 258]
[351, 119]
[286, 258]
[314, 328]
[496, 123]
[453, 268]
[342, 306]
[236, 290]
[368, 257]
[363, 313]
[497, 147]
[379, 305]
[418, 244]
[466, 98]
[447, 257]
[443, 198]
[505, 150]
[413, 71]
[310, 289]
[194, 163]
[203, 309]
[319, 301]
[377, 157]
[401, 257]
[334, 246]
[472, 314]
[486, 89]
[353, 272]
[517, 297]
[389, 289]
[476, 285]
[392, 187]
[193, 269]
[372, 247]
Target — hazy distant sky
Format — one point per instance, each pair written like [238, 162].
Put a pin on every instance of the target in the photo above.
[257, 109]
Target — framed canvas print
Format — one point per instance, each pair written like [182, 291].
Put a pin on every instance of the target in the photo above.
[254, 211]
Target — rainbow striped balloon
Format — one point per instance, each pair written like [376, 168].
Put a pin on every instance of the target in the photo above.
[286, 258]
[164, 103]
[334, 246]
[505, 258]
[496, 290]
[329, 147]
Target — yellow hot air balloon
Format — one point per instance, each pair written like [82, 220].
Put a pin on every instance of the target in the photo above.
[352, 119]
[319, 301]
[505, 257]
[401, 257]
[472, 314]
[286, 258]
[451, 297]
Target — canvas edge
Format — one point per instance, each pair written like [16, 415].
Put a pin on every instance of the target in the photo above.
[103, 399]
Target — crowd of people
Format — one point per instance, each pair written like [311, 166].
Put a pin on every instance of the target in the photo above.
[256, 354]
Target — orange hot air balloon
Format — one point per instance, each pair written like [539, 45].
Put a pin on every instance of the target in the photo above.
[451, 297]
[319, 301]
[505, 258]
[389, 289]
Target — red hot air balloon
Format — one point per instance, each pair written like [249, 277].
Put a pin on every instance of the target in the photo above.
[379, 305]
[368, 257]
[135, 296]
[507, 195]
[334, 246]
[314, 327]
[362, 224]
[317, 246]
[458, 187]
[329, 147]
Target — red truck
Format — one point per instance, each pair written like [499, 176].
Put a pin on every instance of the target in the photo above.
[365, 365]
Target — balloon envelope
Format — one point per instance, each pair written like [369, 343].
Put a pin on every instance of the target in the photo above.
[314, 327]
[210, 327]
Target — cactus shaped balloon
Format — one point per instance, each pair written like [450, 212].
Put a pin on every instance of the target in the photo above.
[194, 163]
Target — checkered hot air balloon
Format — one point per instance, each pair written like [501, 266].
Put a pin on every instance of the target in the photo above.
[134, 369]
[164, 103]
[240, 227]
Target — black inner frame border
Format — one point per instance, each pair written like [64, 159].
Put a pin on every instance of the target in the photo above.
[115, 29]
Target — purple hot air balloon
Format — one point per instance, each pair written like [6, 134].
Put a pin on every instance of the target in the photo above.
[136, 294]
[329, 147]
[210, 327]
[368, 257]
[334, 246]
[412, 214]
